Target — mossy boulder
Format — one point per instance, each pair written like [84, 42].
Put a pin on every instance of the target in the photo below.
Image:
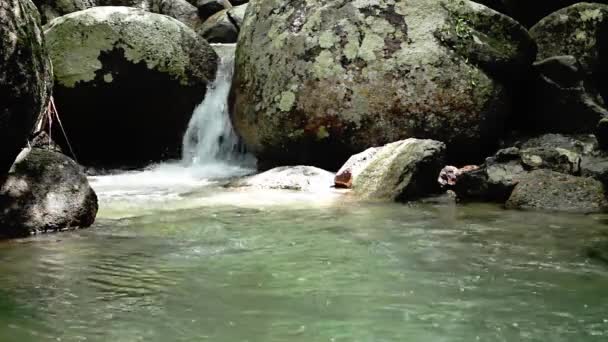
[45, 190]
[318, 81]
[25, 77]
[401, 171]
[529, 12]
[572, 85]
[127, 82]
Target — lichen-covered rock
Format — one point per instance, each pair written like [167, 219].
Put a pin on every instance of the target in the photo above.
[178, 9]
[554, 191]
[317, 81]
[127, 82]
[529, 12]
[401, 171]
[572, 74]
[45, 191]
[25, 77]
[300, 178]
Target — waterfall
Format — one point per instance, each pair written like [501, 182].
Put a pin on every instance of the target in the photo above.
[210, 138]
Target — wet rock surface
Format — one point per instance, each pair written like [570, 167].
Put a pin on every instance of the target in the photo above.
[554, 191]
[401, 171]
[298, 178]
[45, 190]
[25, 77]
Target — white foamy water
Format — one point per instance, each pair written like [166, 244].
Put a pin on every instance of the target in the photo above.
[211, 150]
[210, 138]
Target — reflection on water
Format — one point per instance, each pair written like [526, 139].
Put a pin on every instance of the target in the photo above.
[296, 272]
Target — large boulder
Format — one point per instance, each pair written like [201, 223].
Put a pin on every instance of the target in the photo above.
[529, 12]
[25, 77]
[127, 82]
[181, 10]
[45, 190]
[317, 81]
[554, 191]
[401, 171]
[572, 81]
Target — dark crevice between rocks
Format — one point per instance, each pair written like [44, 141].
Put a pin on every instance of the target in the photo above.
[138, 117]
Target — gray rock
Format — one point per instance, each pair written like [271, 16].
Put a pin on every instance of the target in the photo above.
[529, 12]
[219, 29]
[45, 191]
[318, 81]
[207, 8]
[25, 77]
[181, 10]
[571, 75]
[178, 9]
[300, 178]
[236, 14]
[154, 69]
[353, 167]
[554, 191]
[401, 171]
[495, 179]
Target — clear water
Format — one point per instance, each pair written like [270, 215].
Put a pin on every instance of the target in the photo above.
[207, 264]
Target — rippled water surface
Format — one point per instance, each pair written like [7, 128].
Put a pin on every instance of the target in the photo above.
[216, 265]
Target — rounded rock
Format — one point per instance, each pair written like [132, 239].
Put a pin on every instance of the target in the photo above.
[316, 82]
[127, 82]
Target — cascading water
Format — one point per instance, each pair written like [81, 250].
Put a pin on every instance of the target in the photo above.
[210, 138]
[211, 149]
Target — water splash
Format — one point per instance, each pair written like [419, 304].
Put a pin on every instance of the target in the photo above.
[210, 138]
[211, 150]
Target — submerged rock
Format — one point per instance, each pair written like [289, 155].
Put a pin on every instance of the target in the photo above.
[25, 77]
[401, 171]
[599, 251]
[300, 178]
[45, 191]
[572, 71]
[554, 191]
[127, 82]
[317, 81]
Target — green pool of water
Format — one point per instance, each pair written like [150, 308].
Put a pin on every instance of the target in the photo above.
[291, 271]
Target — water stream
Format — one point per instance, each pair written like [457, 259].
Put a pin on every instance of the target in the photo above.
[174, 256]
